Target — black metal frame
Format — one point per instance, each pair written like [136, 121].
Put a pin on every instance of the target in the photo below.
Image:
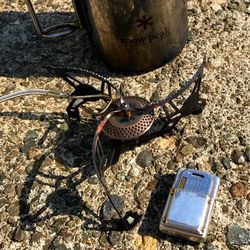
[192, 105]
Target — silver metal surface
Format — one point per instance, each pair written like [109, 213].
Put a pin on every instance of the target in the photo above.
[130, 35]
[189, 206]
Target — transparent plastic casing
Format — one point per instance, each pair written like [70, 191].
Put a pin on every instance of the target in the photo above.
[189, 205]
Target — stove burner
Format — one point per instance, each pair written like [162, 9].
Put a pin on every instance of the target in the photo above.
[126, 126]
[126, 119]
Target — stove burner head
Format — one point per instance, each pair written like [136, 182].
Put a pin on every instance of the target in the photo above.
[127, 126]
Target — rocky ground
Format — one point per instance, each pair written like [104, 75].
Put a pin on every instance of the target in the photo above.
[50, 197]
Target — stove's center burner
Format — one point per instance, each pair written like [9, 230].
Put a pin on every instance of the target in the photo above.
[126, 125]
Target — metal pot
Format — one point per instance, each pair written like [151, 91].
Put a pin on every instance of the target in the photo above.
[133, 35]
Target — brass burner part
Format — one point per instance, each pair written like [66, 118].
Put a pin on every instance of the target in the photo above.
[127, 126]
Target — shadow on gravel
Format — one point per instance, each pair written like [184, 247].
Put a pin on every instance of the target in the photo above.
[72, 150]
[151, 220]
[25, 54]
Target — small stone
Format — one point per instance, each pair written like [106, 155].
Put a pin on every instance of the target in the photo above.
[225, 209]
[197, 142]
[216, 8]
[247, 154]
[231, 138]
[36, 237]
[134, 172]
[104, 241]
[191, 165]
[13, 209]
[242, 205]
[10, 190]
[171, 165]
[166, 142]
[2, 178]
[93, 180]
[130, 220]
[27, 146]
[217, 167]
[226, 163]
[31, 135]
[121, 176]
[3, 202]
[146, 242]
[186, 150]
[108, 212]
[223, 145]
[59, 224]
[145, 158]
[19, 235]
[237, 235]
[152, 185]
[243, 141]
[238, 157]
[114, 238]
[239, 190]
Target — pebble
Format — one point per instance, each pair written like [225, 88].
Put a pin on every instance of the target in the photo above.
[191, 165]
[121, 176]
[2, 178]
[237, 235]
[115, 238]
[19, 235]
[239, 190]
[238, 157]
[223, 145]
[216, 8]
[13, 209]
[145, 242]
[3, 202]
[145, 158]
[36, 237]
[197, 142]
[247, 154]
[226, 163]
[134, 171]
[242, 205]
[93, 180]
[171, 165]
[10, 189]
[28, 145]
[108, 212]
[31, 135]
[231, 138]
[104, 241]
[217, 167]
[186, 150]
[242, 140]
[152, 184]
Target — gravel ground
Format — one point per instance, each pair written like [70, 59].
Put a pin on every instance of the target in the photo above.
[48, 202]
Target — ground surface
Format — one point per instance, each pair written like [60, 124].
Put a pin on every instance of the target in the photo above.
[40, 177]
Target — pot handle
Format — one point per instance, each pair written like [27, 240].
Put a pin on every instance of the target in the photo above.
[52, 31]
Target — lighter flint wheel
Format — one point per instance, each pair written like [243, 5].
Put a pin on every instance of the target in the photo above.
[124, 128]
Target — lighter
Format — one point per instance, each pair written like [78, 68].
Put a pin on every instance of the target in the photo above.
[189, 205]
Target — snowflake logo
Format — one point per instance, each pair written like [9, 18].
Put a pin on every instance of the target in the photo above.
[144, 22]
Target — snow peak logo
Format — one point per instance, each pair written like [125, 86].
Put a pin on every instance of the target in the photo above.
[141, 40]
